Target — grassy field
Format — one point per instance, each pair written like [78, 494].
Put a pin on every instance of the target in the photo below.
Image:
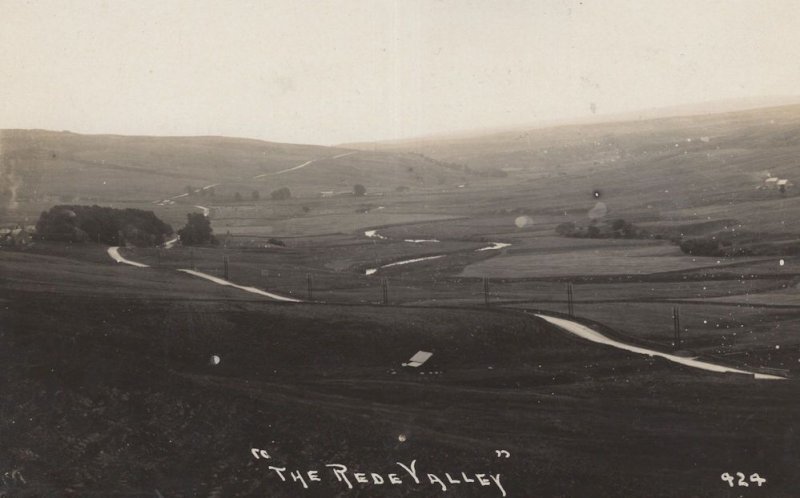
[110, 393]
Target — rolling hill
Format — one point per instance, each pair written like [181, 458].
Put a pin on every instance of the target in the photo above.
[686, 168]
[41, 168]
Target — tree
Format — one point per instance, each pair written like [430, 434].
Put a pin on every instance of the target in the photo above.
[237, 197]
[256, 195]
[359, 190]
[281, 194]
[567, 229]
[104, 225]
[197, 230]
[701, 246]
[618, 225]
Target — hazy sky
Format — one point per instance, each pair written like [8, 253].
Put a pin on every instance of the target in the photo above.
[336, 71]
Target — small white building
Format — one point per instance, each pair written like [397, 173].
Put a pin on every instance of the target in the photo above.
[16, 237]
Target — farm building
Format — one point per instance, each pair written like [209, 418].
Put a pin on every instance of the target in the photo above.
[775, 183]
[15, 237]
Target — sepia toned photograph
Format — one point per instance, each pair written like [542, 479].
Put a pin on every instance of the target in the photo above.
[399, 248]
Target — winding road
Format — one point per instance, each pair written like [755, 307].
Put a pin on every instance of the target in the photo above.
[252, 290]
[300, 166]
[373, 234]
[206, 211]
[592, 335]
[116, 256]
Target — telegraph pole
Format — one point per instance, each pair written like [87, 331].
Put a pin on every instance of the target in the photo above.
[676, 323]
[191, 255]
[309, 286]
[486, 291]
[570, 297]
[385, 290]
[225, 261]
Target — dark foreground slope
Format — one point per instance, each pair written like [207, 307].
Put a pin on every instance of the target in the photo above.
[109, 393]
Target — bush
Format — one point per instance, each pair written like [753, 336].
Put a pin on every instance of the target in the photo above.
[701, 246]
[567, 229]
[617, 229]
[102, 225]
[281, 194]
[197, 230]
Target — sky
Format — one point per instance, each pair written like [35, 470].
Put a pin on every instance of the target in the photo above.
[329, 72]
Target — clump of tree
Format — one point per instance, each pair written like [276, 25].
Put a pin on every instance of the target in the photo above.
[729, 244]
[103, 225]
[615, 229]
[359, 190]
[567, 229]
[702, 246]
[281, 194]
[197, 230]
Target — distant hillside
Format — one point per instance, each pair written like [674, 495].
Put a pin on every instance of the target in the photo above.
[657, 173]
[526, 147]
[687, 168]
[660, 113]
[103, 166]
[46, 167]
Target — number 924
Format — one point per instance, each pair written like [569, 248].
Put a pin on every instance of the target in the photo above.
[740, 480]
